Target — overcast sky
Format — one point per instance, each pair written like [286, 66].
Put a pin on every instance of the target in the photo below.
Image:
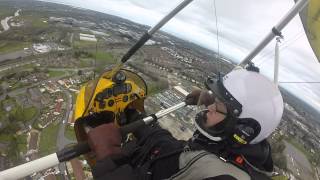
[242, 24]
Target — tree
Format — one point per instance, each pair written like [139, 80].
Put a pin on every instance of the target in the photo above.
[36, 69]
[1, 90]
[13, 150]
[280, 160]
[18, 116]
[7, 97]
[80, 72]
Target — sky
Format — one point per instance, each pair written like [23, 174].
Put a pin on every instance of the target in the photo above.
[241, 25]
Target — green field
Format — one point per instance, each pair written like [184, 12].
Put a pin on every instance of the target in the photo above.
[10, 101]
[155, 87]
[84, 44]
[48, 140]
[313, 158]
[30, 112]
[15, 145]
[12, 46]
[22, 143]
[33, 20]
[11, 120]
[103, 59]
[280, 177]
[5, 138]
[38, 23]
[69, 133]
[86, 62]
[26, 67]
[56, 73]
[4, 12]
[26, 113]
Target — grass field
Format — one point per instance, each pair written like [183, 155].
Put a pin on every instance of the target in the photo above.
[4, 138]
[280, 177]
[38, 23]
[103, 59]
[84, 44]
[56, 73]
[29, 112]
[48, 140]
[86, 62]
[22, 143]
[311, 157]
[4, 12]
[16, 144]
[11, 101]
[155, 87]
[69, 133]
[12, 46]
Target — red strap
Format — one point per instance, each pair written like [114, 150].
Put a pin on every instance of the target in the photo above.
[239, 160]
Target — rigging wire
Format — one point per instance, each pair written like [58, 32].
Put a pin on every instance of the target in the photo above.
[218, 67]
[300, 82]
[283, 46]
[285, 43]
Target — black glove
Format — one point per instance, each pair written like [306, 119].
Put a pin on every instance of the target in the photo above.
[105, 140]
[134, 115]
[199, 97]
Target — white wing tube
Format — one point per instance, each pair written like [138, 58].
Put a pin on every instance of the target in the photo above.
[26, 169]
[276, 63]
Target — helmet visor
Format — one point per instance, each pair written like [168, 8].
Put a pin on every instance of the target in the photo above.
[214, 132]
[217, 89]
[210, 117]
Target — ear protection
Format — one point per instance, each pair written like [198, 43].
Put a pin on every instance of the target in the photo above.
[244, 131]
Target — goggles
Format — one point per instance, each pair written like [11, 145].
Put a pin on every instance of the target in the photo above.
[217, 90]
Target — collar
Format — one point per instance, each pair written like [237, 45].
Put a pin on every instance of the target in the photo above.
[258, 156]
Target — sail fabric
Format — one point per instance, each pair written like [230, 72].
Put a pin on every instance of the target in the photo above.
[310, 17]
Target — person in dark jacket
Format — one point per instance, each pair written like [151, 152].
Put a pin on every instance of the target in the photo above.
[242, 109]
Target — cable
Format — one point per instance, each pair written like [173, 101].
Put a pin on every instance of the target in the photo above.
[217, 33]
[285, 45]
[300, 82]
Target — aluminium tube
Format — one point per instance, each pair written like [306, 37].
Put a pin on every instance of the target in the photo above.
[164, 112]
[26, 169]
[283, 22]
[276, 63]
[132, 127]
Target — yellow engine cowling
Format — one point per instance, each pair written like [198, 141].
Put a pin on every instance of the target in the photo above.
[106, 100]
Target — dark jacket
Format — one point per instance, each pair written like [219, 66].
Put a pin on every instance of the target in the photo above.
[155, 155]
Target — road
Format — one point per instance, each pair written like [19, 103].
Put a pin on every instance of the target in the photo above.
[15, 64]
[4, 22]
[297, 163]
[15, 55]
[62, 141]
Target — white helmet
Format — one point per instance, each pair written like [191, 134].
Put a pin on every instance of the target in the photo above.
[254, 106]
